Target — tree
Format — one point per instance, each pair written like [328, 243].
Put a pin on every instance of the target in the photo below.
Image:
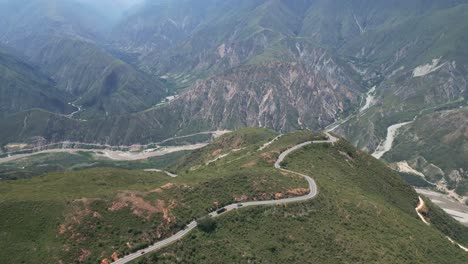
[207, 224]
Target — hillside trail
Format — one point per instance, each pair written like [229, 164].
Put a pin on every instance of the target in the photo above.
[420, 208]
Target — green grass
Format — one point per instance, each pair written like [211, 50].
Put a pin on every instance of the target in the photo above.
[63, 214]
[364, 213]
[415, 180]
[40, 164]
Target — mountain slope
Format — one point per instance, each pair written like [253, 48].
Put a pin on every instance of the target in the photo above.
[64, 38]
[363, 213]
[437, 146]
[309, 92]
[31, 19]
[421, 71]
[169, 203]
[23, 87]
[100, 82]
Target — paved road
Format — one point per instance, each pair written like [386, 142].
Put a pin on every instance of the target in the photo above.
[193, 224]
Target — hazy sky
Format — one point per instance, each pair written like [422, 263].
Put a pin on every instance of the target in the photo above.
[121, 4]
[111, 7]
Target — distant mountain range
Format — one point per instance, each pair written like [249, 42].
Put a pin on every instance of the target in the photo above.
[65, 40]
[278, 64]
[24, 87]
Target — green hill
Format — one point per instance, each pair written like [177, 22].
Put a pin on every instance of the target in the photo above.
[24, 87]
[364, 212]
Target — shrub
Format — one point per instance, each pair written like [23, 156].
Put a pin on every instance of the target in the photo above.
[207, 224]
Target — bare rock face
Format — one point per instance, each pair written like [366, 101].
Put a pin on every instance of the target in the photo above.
[433, 173]
[279, 95]
[455, 176]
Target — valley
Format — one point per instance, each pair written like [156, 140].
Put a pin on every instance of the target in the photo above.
[454, 208]
[233, 131]
[114, 154]
[387, 144]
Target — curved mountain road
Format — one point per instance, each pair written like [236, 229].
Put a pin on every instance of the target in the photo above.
[179, 235]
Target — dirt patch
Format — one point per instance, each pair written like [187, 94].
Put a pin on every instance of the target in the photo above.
[167, 187]
[298, 191]
[157, 190]
[216, 152]
[346, 155]
[270, 157]
[278, 196]
[250, 164]
[79, 209]
[117, 206]
[139, 205]
[166, 210]
[142, 207]
[241, 198]
[97, 215]
[115, 256]
[423, 209]
[237, 143]
[106, 261]
[62, 229]
[84, 255]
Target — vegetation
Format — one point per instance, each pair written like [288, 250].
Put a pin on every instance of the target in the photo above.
[24, 87]
[440, 139]
[207, 224]
[92, 213]
[364, 213]
[40, 164]
[445, 126]
[415, 180]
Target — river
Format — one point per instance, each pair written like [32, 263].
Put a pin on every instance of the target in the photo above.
[387, 144]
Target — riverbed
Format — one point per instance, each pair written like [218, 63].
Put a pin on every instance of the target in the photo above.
[387, 144]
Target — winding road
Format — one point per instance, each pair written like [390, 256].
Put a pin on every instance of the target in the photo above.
[179, 235]
[419, 209]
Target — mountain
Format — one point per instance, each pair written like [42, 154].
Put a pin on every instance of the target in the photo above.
[421, 72]
[24, 87]
[26, 21]
[423, 76]
[65, 39]
[112, 9]
[436, 145]
[362, 66]
[177, 34]
[215, 38]
[101, 83]
[364, 212]
[311, 90]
